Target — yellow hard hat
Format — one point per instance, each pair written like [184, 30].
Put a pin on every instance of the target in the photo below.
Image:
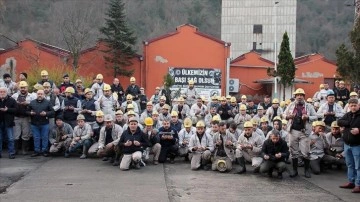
[214, 97]
[69, 90]
[203, 98]
[149, 104]
[99, 76]
[80, 117]
[309, 100]
[166, 106]
[87, 90]
[264, 119]
[282, 104]
[284, 122]
[243, 97]
[132, 79]
[131, 112]
[216, 118]
[163, 98]
[78, 81]
[200, 124]
[157, 88]
[334, 124]
[155, 112]
[299, 91]
[46, 84]
[99, 113]
[221, 165]
[107, 87]
[342, 82]
[233, 99]
[174, 113]
[187, 122]
[254, 121]
[222, 98]
[228, 97]
[287, 102]
[277, 118]
[129, 97]
[38, 87]
[319, 123]
[275, 101]
[44, 73]
[353, 94]
[242, 107]
[322, 86]
[130, 106]
[248, 124]
[23, 84]
[119, 112]
[191, 82]
[340, 103]
[148, 121]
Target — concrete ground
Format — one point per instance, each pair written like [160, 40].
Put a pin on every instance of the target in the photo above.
[73, 179]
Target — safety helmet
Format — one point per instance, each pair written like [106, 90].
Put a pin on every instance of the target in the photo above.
[275, 101]
[221, 165]
[132, 79]
[187, 122]
[334, 124]
[23, 84]
[148, 121]
[99, 76]
[242, 107]
[80, 117]
[200, 124]
[99, 113]
[174, 113]
[299, 91]
[107, 87]
[44, 73]
[248, 124]
[70, 90]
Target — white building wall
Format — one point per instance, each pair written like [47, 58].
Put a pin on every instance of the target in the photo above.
[239, 17]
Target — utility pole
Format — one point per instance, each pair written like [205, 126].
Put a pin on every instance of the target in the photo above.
[275, 50]
[357, 10]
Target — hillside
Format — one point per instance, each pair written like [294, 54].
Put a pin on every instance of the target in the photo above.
[321, 25]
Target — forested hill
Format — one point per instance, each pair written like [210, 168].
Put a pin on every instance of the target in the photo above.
[321, 25]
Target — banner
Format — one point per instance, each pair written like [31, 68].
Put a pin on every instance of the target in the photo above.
[207, 81]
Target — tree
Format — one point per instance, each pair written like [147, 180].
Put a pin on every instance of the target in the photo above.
[286, 66]
[348, 61]
[119, 39]
[76, 28]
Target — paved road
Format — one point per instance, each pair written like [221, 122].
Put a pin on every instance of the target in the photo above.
[60, 179]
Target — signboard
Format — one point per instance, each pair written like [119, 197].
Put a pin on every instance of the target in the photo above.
[207, 81]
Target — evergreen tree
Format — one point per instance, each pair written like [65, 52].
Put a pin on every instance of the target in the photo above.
[348, 61]
[286, 66]
[119, 39]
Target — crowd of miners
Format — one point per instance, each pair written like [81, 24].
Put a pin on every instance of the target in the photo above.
[130, 130]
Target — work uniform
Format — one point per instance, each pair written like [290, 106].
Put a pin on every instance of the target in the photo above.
[199, 158]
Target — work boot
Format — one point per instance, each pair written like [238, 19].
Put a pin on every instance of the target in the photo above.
[117, 160]
[16, 146]
[35, 154]
[279, 176]
[295, 167]
[24, 147]
[348, 185]
[83, 156]
[241, 162]
[307, 168]
[356, 189]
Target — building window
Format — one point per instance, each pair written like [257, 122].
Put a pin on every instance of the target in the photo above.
[258, 29]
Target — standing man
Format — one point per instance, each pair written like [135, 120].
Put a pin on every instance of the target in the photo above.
[350, 126]
[98, 86]
[134, 91]
[191, 94]
[143, 100]
[342, 94]
[300, 115]
[54, 100]
[155, 98]
[107, 102]
[40, 111]
[45, 78]
[266, 104]
[22, 121]
[66, 83]
[9, 84]
[330, 111]
[117, 88]
[7, 113]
